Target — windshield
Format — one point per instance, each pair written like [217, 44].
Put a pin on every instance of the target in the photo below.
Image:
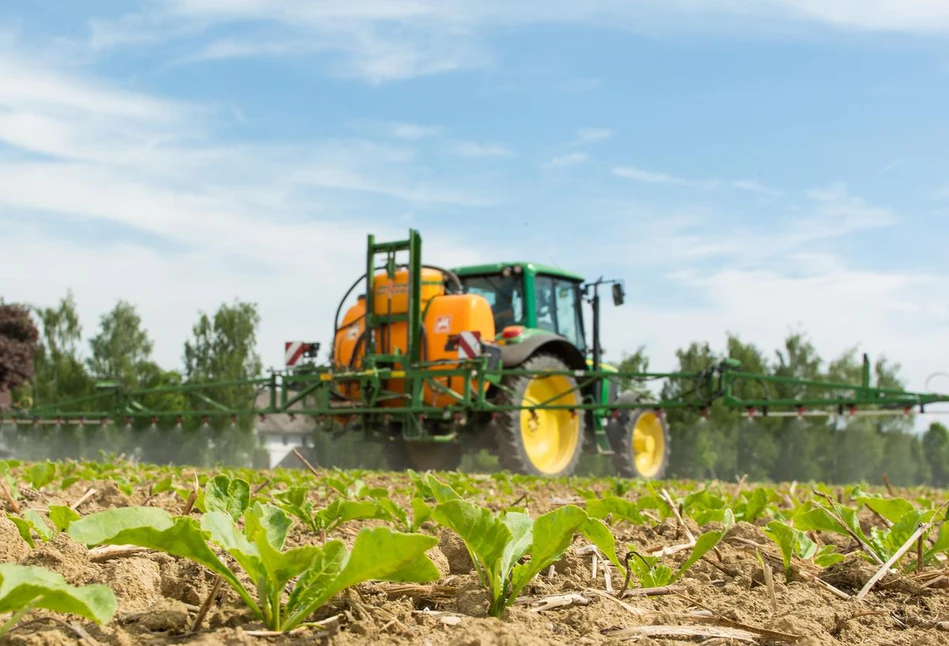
[558, 308]
[504, 294]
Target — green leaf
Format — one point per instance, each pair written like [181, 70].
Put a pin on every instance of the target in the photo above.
[24, 528]
[163, 485]
[598, 533]
[154, 528]
[619, 508]
[941, 544]
[62, 516]
[393, 511]
[790, 541]
[650, 572]
[224, 494]
[268, 520]
[441, 492]
[40, 525]
[893, 509]
[326, 565]
[420, 513]
[41, 474]
[378, 555]
[704, 544]
[485, 536]
[23, 587]
[520, 526]
[754, 506]
[827, 556]
[818, 519]
[553, 533]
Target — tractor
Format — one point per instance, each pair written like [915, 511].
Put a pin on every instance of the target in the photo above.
[530, 318]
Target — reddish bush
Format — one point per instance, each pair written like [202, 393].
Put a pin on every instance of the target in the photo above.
[18, 337]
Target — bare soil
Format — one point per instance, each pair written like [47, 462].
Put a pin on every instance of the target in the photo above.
[723, 599]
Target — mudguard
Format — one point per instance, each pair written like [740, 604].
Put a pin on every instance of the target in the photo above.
[517, 353]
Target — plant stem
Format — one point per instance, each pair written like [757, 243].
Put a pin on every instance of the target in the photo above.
[16, 616]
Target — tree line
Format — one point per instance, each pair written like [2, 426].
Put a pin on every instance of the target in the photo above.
[44, 359]
[727, 445]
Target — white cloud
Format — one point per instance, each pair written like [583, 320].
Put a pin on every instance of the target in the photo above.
[389, 40]
[566, 161]
[590, 135]
[784, 274]
[651, 177]
[133, 196]
[474, 149]
[900, 315]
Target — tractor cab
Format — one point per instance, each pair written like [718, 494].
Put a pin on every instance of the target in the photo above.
[527, 298]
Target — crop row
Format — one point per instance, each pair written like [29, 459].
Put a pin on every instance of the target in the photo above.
[236, 524]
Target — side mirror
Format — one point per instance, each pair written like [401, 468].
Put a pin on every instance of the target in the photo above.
[618, 294]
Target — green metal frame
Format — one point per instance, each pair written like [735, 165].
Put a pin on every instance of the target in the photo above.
[315, 390]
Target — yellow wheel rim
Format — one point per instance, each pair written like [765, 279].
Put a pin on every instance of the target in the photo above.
[649, 444]
[550, 437]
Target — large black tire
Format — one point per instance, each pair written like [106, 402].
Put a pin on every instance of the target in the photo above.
[550, 443]
[650, 459]
[423, 456]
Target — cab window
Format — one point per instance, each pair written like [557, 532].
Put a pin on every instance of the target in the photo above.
[558, 308]
[504, 294]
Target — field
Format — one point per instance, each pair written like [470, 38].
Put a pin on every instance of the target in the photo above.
[712, 563]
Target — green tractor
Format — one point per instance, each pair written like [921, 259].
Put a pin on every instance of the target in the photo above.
[539, 317]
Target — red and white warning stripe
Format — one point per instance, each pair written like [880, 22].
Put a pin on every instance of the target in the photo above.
[469, 345]
[292, 351]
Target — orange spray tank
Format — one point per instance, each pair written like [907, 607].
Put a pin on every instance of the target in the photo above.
[445, 316]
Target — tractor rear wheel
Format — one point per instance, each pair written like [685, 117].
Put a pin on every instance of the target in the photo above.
[640, 439]
[423, 456]
[540, 442]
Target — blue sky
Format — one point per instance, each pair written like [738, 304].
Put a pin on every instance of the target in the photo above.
[755, 166]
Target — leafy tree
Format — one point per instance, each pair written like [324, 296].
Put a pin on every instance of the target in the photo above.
[636, 362]
[935, 446]
[801, 443]
[223, 348]
[122, 348]
[60, 372]
[755, 448]
[694, 441]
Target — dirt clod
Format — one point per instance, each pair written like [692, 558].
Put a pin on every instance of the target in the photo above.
[65, 556]
[456, 553]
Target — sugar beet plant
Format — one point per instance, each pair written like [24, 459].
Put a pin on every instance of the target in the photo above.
[498, 543]
[24, 588]
[258, 548]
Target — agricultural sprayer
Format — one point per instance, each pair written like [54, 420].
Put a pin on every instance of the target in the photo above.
[433, 360]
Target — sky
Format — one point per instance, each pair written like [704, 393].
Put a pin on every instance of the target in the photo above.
[757, 167]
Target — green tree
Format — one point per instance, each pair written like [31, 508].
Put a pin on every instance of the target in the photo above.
[223, 348]
[636, 362]
[936, 450]
[801, 443]
[695, 442]
[121, 350]
[60, 371]
[869, 447]
[755, 448]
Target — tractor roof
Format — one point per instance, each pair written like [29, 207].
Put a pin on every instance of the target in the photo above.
[497, 267]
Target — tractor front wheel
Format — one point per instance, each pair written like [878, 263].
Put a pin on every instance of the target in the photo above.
[640, 439]
[540, 442]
